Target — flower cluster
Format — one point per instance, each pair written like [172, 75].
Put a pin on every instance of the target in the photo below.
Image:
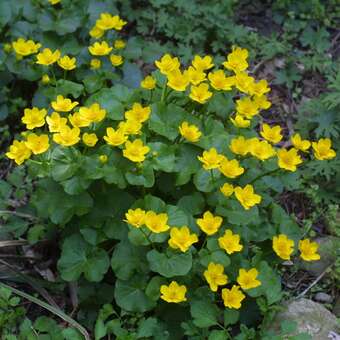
[137, 137]
[47, 57]
[105, 23]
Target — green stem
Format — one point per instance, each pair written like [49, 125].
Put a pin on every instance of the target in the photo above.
[212, 175]
[147, 237]
[262, 175]
[164, 93]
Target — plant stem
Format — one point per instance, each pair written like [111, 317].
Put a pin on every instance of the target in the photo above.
[262, 175]
[147, 237]
[164, 93]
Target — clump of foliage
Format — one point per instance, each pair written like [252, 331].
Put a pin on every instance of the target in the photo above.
[165, 194]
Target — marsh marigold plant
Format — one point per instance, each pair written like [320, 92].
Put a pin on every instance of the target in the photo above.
[173, 186]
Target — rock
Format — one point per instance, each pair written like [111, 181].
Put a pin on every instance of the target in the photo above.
[311, 317]
[323, 297]
[329, 247]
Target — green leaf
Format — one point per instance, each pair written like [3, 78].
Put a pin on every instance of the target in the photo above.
[218, 335]
[177, 217]
[46, 203]
[164, 156]
[270, 284]
[231, 316]
[64, 163]
[147, 327]
[204, 181]
[130, 296]
[143, 176]
[169, 265]
[67, 87]
[132, 75]
[5, 12]
[204, 313]
[165, 119]
[79, 257]
[127, 260]
[106, 99]
[187, 163]
[192, 204]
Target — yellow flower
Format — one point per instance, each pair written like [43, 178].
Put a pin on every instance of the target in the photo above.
[231, 169]
[67, 136]
[63, 104]
[195, 76]
[299, 143]
[233, 297]
[309, 250]
[202, 64]
[262, 102]
[237, 60]
[45, 79]
[288, 160]
[96, 32]
[148, 83]
[210, 224]
[283, 246]
[244, 82]
[100, 48]
[19, 152]
[200, 93]
[167, 64]
[95, 64]
[322, 149]
[230, 242]
[219, 81]
[76, 120]
[67, 63]
[116, 60]
[119, 44]
[272, 135]
[37, 144]
[47, 57]
[248, 279]
[177, 80]
[115, 137]
[246, 196]
[34, 118]
[103, 159]
[92, 114]
[211, 159]
[138, 113]
[135, 217]
[130, 127]
[174, 293]
[157, 223]
[239, 146]
[261, 149]
[190, 132]
[89, 139]
[215, 276]
[54, 2]
[246, 107]
[135, 151]
[180, 238]
[240, 122]
[227, 189]
[260, 88]
[55, 122]
[107, 22]
[24, 47]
